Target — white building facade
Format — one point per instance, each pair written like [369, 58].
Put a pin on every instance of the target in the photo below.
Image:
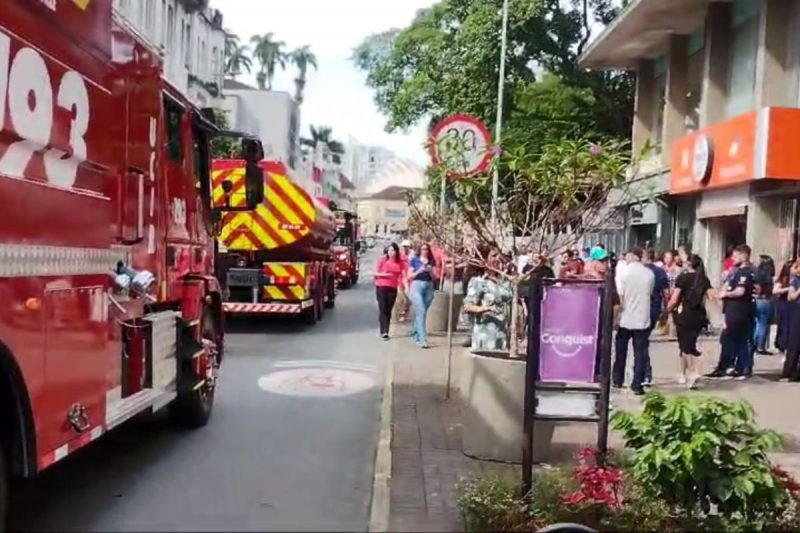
[272, 116]
[362, 162]
[191, 42]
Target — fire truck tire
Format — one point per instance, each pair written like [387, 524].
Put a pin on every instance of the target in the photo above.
[330, 303]
[311, 314]
[193, 410]
[3, 489]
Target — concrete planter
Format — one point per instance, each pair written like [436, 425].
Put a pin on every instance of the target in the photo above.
[493, 392]
[436, 321]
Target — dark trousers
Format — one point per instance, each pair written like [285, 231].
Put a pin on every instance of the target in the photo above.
[736, 349]
[386, 297]
[654, 316]
[641, 356]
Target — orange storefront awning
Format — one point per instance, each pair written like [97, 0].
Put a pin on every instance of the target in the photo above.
[763, 144]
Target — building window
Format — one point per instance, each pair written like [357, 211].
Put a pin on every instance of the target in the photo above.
[149, 18]
[743, 53]
[694, 78]
[187, 59]
[660, 88]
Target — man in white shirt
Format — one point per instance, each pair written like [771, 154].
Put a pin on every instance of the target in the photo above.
[634, 286]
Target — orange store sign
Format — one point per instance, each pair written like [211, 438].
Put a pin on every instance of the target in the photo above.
[758, 145]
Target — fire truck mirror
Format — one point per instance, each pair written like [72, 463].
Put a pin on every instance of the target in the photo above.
[252, 150]
[254, 184]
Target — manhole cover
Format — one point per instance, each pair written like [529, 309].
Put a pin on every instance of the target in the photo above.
[316, 382]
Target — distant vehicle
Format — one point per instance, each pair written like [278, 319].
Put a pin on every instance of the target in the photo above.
[346, 249]
[278, 257]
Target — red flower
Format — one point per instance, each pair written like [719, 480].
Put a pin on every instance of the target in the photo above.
[597, 485]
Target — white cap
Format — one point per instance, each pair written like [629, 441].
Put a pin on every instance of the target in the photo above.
[406, 244]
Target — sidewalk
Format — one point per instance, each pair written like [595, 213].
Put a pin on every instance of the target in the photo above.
[427, 463]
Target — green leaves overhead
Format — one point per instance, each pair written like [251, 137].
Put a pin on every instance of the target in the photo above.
[447, 61]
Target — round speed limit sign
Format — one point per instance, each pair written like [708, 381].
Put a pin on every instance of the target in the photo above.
[460, 143]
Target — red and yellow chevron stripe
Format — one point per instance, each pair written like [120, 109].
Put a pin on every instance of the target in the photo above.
[284, 217]
[288, 281]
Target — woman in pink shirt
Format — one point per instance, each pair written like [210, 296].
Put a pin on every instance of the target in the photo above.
[388, 274]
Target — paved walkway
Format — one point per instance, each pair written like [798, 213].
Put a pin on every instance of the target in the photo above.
[427, 463]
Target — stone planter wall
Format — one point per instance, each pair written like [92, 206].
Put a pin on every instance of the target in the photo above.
[493, 392]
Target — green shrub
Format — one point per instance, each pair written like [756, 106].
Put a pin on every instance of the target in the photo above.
[491, 504]
[704, 456]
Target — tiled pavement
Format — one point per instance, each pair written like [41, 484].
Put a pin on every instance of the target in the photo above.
[427, 463]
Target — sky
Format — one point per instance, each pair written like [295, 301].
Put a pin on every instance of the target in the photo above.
[336, 94]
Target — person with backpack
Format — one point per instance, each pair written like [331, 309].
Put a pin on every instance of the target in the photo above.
[688, 299]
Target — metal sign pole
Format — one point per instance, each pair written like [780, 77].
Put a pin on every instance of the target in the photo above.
[531, 377]
[450, 313]
[606, 329]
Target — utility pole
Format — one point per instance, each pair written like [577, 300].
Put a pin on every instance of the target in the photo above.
[498, 128]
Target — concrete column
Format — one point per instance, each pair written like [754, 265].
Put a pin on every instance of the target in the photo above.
[716, 64]
[774, 82]
[763, 225]
[675, 95]
[644, 106]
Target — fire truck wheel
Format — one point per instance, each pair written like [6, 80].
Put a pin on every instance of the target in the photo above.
[311, 314]
[330, 303]
[3, 489]
[193, 409]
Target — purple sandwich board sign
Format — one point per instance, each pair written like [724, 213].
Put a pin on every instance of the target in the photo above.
[568, 334]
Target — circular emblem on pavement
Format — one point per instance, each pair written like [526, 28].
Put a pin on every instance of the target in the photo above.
[316, 382]
[703, 159]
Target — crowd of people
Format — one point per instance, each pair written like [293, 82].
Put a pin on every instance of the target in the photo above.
[669, 291]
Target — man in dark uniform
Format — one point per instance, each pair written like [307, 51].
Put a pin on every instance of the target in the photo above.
[738, 314]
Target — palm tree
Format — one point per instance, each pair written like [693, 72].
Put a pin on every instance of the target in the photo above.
[302, 58]
[270, 54]
[323, 136]
[237, 56]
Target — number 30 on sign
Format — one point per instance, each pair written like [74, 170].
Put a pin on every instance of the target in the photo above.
[460, 143]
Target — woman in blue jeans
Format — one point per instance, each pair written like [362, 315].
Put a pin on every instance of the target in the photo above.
[765, 272]
[421, 268]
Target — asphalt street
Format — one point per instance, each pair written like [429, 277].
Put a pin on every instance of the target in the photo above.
[290, 445]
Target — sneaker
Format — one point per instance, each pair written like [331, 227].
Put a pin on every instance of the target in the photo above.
[764, 352]
[716, 374]
[691, 382]
[740, 377]
[682, 380]
[638, 392]
[647, 383]
[784, 380]
[385, 336]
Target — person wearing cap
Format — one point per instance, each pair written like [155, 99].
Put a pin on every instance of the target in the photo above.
[635, 288]
[597, 264]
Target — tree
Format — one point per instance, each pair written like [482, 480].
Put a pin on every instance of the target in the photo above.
[223, 147]
[323, 136]
[302, 58]
[555, 194]
[237, 56]
[270, 55]
[447, 61]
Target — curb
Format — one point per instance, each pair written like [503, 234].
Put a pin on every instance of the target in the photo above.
[382, 472]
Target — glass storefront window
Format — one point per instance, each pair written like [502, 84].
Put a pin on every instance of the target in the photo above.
[743, 48]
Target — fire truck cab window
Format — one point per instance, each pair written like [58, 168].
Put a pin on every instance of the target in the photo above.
[201, 170]
[172, 123]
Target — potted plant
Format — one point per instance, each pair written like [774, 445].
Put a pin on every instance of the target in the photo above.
[548, 198]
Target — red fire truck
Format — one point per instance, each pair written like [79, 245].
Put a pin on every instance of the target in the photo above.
[109, 303]
[276, 258]
[346, 248]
